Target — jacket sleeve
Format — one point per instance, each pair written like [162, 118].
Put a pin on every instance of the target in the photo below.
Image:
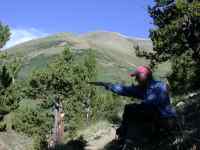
[159, 96]
[130, 91]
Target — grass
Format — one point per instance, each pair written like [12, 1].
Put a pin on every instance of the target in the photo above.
[36, 63]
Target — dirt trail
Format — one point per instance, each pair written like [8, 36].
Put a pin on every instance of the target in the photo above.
[98, 135]
[101, 138]
[14, 141]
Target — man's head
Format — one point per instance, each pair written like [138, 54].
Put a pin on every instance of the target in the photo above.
[142, 74]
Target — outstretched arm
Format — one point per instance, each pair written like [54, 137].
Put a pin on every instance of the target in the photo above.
[130, 91]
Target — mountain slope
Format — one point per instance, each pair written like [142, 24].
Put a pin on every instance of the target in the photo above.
[115, 52]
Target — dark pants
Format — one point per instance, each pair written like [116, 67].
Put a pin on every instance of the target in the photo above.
[137, 113]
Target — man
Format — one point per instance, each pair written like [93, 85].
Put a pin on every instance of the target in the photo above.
[154, 95]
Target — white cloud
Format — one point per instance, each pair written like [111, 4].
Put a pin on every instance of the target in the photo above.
[23, 35]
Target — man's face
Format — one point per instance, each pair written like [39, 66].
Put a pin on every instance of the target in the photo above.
[141, 79]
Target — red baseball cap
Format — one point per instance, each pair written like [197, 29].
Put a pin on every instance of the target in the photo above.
[141, 70]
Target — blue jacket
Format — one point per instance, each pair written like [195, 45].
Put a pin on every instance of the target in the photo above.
[155, 94]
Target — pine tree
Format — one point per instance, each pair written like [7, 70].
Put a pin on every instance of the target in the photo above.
[5, 78]
[175, 34]
[176, 30]
[4, 34]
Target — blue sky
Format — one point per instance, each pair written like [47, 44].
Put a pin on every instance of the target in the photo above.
[43, 17]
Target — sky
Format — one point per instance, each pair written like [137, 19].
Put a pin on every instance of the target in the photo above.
[30, 19]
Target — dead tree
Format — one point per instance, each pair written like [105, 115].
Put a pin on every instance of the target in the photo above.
[58, 127]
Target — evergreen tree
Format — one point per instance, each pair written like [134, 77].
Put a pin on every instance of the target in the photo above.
[10, 95]
[4, 34]
[176, 33]
[5, 78]
[67, 78]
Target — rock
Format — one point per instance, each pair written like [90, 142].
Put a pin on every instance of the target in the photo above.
[2, 147]
[180, 105]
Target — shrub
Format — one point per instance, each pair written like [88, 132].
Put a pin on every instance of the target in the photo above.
[2, 126]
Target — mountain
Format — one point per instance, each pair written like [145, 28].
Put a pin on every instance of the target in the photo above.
[115, 52]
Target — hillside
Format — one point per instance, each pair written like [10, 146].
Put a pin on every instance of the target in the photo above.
[15, 142]
[115, 52]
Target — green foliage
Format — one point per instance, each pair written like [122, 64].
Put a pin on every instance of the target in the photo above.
[67, 78]
[176, 34]
[4, 110]
[176, 30]
[34, 121]
[31, 120]
[13, 64]
[105, 105]
[4, 34]
[185, 74]
[7, 100]
[5, 78]
[40, 142]
[2, 126]
[11, 93]
[11, 97]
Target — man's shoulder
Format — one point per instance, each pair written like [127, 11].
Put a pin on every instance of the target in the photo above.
[159, 84]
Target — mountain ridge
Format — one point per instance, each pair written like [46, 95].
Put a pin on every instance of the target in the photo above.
[115, 52]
